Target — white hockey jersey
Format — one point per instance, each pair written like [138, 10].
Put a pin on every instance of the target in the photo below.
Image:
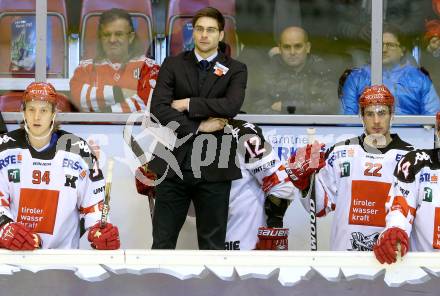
[355, 184]
[414, 202]
[262, 174]
[49, 191]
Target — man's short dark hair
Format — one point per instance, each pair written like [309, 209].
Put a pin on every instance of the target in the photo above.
[109, 16]
[212, 13]
[395, 31]
[113, 14]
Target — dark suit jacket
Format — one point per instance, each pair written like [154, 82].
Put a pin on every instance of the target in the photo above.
[220, 96]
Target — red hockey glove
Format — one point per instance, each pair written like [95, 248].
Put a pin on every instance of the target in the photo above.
[144, 182]
[304, 162]
[385, 248]
[273, 239]
[106, 238]
[15, 236]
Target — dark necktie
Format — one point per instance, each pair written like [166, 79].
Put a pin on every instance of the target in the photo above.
[205, 65]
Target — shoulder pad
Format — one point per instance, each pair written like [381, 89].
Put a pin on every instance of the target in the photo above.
[351, 141]
[412, 163]
[339, 145]
[4, 139]
[241, 128]
[250, 139]
[74, 144]
[12, 139]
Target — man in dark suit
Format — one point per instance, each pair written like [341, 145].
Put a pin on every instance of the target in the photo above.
[200, 90]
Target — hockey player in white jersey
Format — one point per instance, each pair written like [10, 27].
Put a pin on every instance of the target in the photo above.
[413, 205]
[358, 174]
[49, 180]
[258, 200]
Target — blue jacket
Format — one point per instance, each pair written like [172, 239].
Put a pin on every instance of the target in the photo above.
[413, 90]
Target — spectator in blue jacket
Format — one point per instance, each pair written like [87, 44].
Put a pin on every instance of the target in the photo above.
[412, 88]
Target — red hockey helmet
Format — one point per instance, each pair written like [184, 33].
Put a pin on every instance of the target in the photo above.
[436, 6]
[432, 29]
[40, 91]
[376, 95]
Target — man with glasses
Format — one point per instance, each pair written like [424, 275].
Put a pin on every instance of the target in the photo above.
[412, 88]
[198, 90]
[109, 82]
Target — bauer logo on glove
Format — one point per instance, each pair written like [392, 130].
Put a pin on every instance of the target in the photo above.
[281, 232]
[271, 238]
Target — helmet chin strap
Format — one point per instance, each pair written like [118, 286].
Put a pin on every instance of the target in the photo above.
[28, 131]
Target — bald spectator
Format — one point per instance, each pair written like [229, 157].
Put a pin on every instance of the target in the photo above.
[297, 81]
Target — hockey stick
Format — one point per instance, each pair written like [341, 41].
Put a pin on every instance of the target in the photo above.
[108, 187]
[139, 153]
[313, 228]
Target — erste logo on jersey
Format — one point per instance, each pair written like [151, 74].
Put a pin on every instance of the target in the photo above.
[427, 177]
[74, 165]
[399, 157]
[10, 159]
[340, 154]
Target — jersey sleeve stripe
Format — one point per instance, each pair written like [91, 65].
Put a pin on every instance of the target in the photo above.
[88, 102]
[270, 181]
[100, 100]
[83, 96]
[4, 202]
[92, 209]
[400, 204]
[116, 108]
[108, 95]
[93, 99]
[130, 103]
[140, 104]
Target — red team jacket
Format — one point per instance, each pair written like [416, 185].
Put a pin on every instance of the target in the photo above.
[96, 86]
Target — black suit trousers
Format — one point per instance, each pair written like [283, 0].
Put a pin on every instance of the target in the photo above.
[173, 197]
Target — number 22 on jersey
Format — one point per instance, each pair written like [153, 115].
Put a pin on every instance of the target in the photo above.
[373, 169]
